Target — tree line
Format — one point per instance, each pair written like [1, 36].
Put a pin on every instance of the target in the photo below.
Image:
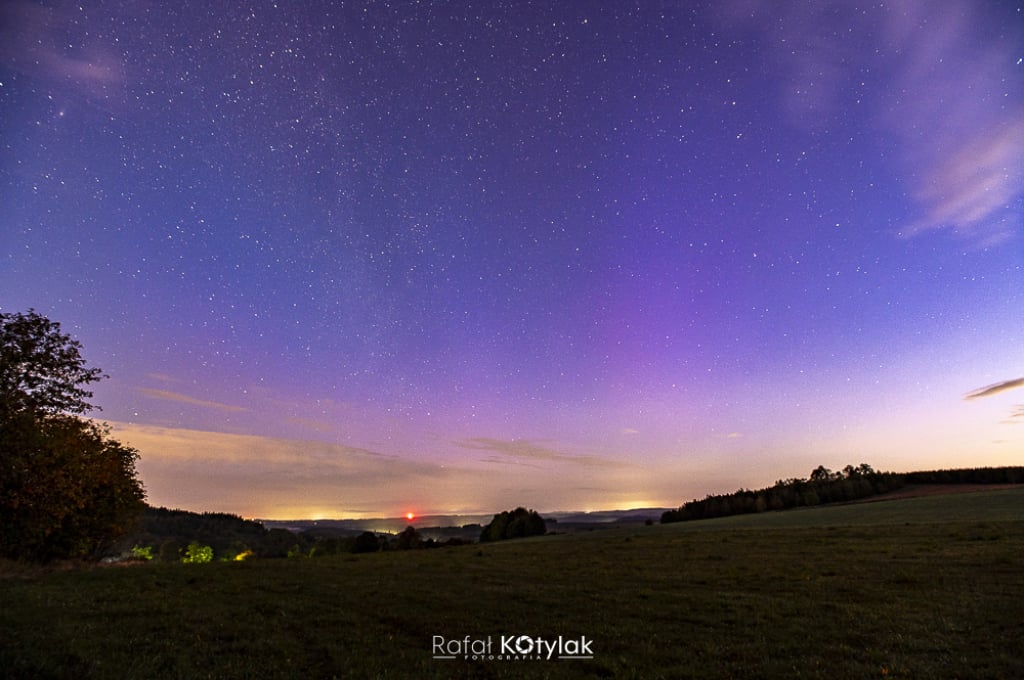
[168, 534]
[825, 486]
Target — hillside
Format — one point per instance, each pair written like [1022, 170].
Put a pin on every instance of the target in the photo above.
[915, 588]
[824, 487]
[167, 535]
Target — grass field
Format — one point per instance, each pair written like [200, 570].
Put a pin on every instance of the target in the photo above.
[918, 588]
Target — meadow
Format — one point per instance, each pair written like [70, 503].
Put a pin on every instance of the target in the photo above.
[916, 588]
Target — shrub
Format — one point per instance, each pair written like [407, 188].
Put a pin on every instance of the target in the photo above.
[197, 554]
[518, 523]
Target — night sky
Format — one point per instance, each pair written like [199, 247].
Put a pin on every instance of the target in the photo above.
[363, 258]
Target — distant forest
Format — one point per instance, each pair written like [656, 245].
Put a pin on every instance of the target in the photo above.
[166, 535]
[825, 486]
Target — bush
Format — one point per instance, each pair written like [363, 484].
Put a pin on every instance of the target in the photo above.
[142, 553]
[198, 554]
[366, 542]
[409, 539]
[518, 523]
[66, 489]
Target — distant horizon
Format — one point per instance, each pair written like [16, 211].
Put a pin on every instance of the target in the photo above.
[419, 517]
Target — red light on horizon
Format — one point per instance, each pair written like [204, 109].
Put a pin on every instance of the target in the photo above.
[410, 516]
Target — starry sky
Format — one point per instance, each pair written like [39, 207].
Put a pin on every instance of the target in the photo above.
[354, 259]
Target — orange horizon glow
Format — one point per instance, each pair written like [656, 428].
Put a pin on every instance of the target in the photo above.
[410, 516]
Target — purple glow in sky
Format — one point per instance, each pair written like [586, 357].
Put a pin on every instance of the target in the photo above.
[351, 259]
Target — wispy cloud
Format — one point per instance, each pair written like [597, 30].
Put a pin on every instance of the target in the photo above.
[973, 189]
[960, 125]
[519, 450]
[498, 460]
[271, 477]
[939, 77]
[995, 388]
[999, 388]
[290, 478]
[167, 395]
[313, 424]
[35, 43]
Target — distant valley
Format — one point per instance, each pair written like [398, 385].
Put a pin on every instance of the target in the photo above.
[445, 526]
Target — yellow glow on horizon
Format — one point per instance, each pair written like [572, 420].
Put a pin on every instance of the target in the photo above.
[637, 504]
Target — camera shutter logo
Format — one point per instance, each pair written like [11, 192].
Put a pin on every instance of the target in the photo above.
[524, 644]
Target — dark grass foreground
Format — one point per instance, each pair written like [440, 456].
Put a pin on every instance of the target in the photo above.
[918, 588]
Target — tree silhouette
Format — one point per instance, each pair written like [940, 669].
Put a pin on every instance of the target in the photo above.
[67, 489]
[366, 542]
[409, 539]
[41, 369]
[518, 523]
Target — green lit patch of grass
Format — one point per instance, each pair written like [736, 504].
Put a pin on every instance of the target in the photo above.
[848, 595]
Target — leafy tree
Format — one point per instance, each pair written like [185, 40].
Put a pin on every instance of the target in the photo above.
[518, 523]
[409, 539]
[366, 542]
[821, 474]
[279, 543]
[170, 551]
[67, 489]
[41, 369]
